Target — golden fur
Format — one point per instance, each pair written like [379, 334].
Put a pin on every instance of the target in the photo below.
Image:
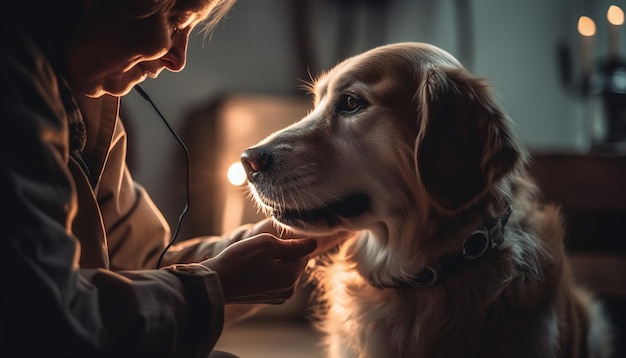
[409, 149]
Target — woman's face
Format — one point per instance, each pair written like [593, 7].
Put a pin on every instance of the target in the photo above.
[114, 52]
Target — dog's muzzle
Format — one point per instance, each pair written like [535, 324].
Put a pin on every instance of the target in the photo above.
[259, 165]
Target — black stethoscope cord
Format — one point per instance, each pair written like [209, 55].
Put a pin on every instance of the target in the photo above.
[143, 94]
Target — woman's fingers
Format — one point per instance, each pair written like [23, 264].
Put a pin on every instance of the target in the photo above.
[294, 248]
[261, 269]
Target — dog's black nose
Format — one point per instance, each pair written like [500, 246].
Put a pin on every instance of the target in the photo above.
[255, 160]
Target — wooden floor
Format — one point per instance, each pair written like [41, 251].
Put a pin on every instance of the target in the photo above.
[266, 338]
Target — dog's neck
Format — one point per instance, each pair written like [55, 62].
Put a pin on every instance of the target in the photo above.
[487, 236]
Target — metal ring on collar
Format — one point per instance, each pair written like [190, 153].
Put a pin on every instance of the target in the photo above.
[475, 245]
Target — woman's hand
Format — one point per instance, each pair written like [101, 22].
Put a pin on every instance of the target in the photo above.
[324, 243]
[261, 269]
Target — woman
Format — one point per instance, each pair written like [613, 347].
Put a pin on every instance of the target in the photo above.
[80, 239]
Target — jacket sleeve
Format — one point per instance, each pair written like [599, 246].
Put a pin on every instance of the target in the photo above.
[49, 303]
[202, 248]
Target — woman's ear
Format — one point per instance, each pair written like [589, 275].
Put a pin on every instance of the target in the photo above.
[464, 143]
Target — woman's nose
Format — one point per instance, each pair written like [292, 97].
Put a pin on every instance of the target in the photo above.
[176, 57]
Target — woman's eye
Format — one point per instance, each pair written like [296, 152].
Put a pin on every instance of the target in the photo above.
[174, 27]
[179, 21]
[349, 103]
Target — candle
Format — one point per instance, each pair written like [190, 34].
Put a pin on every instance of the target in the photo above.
[615, 16]
[586, 29]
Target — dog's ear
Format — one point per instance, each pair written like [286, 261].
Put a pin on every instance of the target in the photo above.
[464, 143]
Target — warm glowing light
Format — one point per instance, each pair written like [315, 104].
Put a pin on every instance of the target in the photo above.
[236, 174]
[586, 26]
[615, 15]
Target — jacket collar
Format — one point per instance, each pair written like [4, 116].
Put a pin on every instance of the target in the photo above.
[100, 118]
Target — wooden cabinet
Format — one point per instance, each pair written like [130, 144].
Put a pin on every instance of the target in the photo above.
[591, 190]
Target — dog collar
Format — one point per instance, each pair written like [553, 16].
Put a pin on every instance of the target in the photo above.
[489, 235]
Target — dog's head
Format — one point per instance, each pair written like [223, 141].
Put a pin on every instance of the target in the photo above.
[395, 133]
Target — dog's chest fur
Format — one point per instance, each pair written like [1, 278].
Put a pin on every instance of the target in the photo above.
[470, 314]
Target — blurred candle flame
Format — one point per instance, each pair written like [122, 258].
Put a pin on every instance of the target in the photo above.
[615, 15]
[586, 26]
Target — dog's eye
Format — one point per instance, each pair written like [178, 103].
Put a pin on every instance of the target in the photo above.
[349, 103]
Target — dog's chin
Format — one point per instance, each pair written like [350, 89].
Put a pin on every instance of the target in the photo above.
[325, 219]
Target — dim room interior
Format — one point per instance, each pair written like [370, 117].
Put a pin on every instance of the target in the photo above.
[554, 64]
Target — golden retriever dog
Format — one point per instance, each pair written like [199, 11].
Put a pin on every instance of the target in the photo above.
[454, 255]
